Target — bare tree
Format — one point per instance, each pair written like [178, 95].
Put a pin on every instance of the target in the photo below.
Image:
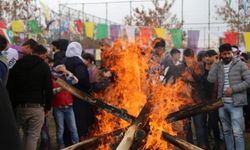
[236, 19]
[160, 16]
[23, 9]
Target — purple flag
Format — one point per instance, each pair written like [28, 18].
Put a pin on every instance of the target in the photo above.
[90, 51]
[114, 32]
[193, 38]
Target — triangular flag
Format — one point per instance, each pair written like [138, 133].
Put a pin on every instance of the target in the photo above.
[17, 26]
[101, 31]
[160, 32]
[89, 29]
[3, 24]
[33, 24]
[114, 32]
[176, 37]
[79, 25]
[231, 38]
[247, 40]
[145, 33]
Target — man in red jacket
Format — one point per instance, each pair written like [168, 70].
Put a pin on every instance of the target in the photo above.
[62, 105]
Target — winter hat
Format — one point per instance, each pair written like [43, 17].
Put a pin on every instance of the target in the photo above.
[12, 56]
[74, 49]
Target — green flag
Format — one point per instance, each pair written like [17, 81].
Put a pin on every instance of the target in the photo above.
[176, 37]
[33, 24]
[229, 2]
[10, 35]
[101, 31]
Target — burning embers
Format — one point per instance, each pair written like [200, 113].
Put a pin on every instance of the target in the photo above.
[137, 103]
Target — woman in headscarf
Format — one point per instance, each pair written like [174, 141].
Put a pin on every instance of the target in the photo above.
[84, 113]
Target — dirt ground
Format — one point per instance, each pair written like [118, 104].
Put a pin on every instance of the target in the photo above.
[53, 136]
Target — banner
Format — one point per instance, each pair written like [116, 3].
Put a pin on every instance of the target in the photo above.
[160, 32]
[17, 26]
[79, 25]
[193, 38]
[101, 31]
[72, 27]
[130, 33]
[64, 26]
[33, 24]
[89, 29]
[231, 38]
[3, 24]
[244, 2]
[97, 54]
[176, 37]
[145, 33]
[247, 41]
[8, 34]
[114, 32]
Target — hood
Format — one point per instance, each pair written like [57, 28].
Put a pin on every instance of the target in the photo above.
[74, 49]
[29, 62]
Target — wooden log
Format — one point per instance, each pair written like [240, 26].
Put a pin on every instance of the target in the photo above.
[179, 142]
[129, 135]
[194, 110]
[95, 139]
[121, 113]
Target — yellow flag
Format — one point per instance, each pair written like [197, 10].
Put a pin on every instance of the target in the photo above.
[45, 10]
[17, 26]
[247, 40]
[97, 54]
[72, 27]
[89, 29]
[160, 32]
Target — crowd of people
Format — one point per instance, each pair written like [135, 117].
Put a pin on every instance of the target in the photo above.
[29, 91]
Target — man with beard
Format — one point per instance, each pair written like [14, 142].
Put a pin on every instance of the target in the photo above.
[233, 79]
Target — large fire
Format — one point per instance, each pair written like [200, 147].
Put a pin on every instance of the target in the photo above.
[133, 87]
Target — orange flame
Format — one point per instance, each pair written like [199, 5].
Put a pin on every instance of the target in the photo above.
[131, 89]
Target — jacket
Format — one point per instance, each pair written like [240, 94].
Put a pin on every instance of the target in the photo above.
[9, 136]
[30, 82]
[239, 80]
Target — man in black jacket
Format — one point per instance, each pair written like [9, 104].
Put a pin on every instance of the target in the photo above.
[31, 92]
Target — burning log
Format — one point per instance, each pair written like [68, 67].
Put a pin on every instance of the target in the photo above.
[113, 110]
[179, 142]
[129, 136]
[97, 102]
[193, 110]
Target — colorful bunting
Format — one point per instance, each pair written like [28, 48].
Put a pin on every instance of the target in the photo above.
[130, 33]
[97, 54]
[72, 27]
[101, 31]
[89, 29]
[160, 32]
[193, 38]
[7, 33]
[17, 26]
[45, 10]
[231, 38]
[114, 32]
[3, 24]
[79, 25]
[176, 37]
[145, 33]
[33, 24]
[247, 40]
[64, 26]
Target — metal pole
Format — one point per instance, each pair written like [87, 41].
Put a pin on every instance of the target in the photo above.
[238, 42]
[182, 12]
[130, 6]
[209, 13]
[106, 12]
[83, 11]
